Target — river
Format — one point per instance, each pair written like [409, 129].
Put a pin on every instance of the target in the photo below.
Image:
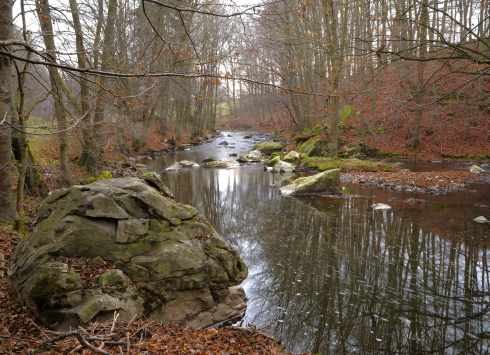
[336, 277]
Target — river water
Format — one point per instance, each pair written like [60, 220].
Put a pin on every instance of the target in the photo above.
[336, 277]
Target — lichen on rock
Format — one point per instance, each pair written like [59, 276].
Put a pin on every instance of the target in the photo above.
[143, 253]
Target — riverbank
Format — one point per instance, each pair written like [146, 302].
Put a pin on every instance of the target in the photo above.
[21, 333]
[432, 183]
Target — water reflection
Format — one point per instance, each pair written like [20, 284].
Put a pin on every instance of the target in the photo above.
[339, 278]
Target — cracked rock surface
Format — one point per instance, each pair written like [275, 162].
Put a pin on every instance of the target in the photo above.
[122, 245]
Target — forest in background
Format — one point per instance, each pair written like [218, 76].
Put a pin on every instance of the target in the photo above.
[89, 83]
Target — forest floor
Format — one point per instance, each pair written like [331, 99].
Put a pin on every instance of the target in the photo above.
[21, 333]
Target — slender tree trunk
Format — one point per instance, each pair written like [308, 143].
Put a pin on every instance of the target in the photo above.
[107, 48]
[44, 14]
[415, 142]
[87, 158]
[7, 206]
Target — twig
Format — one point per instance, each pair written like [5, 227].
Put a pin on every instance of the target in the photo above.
[83, 342]
[116, 315]
[75, 349]
[43, 335]
[131, 321]
[19, 339]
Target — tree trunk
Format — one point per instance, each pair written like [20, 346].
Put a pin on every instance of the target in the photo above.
[7, 206]
[107, 47]
[87, 158]
[44, 14]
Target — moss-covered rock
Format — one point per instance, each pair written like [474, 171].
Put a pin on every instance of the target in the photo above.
[292, 157]
[158, 266]
[153, 179]
[104, 175]
[224, 164]
[326, 183]
[268, 148]
[273, 161]
[316, 147]
[254, 156]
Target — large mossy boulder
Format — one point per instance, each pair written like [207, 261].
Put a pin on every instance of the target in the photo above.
[122, 245]
[316, 147]
[326, 183]
[268, 148]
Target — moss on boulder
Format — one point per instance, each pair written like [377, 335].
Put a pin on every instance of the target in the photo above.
[159, 269]
[292, 157]
[326, 183]
[316, 147]
[268, 148]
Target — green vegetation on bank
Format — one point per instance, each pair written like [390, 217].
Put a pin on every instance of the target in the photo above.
[344, 165]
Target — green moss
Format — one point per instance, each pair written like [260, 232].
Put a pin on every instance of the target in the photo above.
[382, 130]
[323, 164]
[104, 175]
[277, 154]
[272, 162]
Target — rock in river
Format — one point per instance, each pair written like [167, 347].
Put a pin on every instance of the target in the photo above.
[326, 183]
[284, 167]
[268, 148]
[292, 157]
[481, 219]
[254, 156]
[225, 164]
[475, 169]
[182, 164]
[120, 245]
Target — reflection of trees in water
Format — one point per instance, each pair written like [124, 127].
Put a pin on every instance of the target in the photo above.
[340, 278]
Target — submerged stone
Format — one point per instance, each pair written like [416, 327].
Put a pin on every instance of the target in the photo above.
[225, 164]
[147, 255]
[325, 183]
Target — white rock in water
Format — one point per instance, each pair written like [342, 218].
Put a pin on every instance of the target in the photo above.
[182, 164]
[380, 207]
[282, 166]
[475, 169]
[174, 167]
[481, 219]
